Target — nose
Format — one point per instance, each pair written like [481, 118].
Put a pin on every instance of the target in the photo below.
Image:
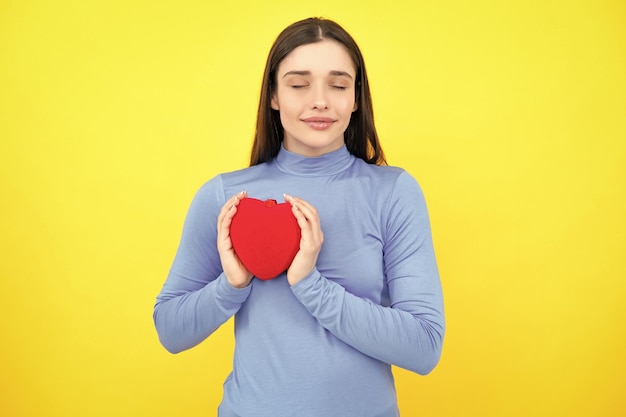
[319, 99]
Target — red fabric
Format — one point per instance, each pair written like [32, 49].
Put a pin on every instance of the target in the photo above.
[265, 236]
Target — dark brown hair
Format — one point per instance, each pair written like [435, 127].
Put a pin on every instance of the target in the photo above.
[360, 136]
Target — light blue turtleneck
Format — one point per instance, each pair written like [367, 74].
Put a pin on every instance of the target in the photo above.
[324, 346]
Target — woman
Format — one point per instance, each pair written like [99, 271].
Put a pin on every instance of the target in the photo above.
[362, 292]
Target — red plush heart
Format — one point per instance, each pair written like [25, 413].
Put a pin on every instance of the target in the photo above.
[265, 236]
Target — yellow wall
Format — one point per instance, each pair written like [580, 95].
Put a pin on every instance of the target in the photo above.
[510, 114]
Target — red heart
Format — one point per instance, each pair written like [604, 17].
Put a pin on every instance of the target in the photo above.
[265, 236]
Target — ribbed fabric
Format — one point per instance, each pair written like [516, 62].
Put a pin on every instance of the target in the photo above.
[324, 346]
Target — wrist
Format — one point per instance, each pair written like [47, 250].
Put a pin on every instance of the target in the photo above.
[294, 278]
[239, 283]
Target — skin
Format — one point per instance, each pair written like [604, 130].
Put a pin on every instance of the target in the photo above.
[315, 82]
[236, 274]
[310, 241]
[315, 97]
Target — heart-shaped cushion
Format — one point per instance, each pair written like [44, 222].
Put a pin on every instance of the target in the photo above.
[265, 235]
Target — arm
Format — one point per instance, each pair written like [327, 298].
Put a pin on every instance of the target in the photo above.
[409, 333]
[197, 297]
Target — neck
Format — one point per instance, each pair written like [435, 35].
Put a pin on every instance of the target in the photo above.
[330, 163]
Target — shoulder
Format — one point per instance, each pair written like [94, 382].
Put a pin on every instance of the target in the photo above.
[244, 174]
[399, 194]
[393, 178]
[246, 179]
[382, 171]
[220, 187]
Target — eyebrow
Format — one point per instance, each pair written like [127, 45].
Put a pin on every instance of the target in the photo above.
[334, 72]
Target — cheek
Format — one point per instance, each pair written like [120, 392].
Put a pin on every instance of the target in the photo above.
[347, 107]
[285, 101]
[288, 115]
[286, 111]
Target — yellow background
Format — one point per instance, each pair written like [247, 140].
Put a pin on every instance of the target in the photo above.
[511, 114]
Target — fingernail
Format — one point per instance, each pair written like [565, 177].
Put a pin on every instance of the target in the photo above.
[287, 197]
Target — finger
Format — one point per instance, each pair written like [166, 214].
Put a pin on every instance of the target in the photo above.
[226, 215]
[231, 202]
[300, 218]
[310, 214]
[311, 232]
[227, 219]
[307, 209]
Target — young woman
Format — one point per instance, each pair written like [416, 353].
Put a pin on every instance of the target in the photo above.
[363, 291]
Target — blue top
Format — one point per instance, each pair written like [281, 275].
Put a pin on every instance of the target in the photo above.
[323, 347]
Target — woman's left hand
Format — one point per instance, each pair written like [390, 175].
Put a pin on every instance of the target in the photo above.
[311, 239]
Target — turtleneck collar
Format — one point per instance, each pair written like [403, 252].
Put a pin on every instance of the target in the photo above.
[328, 164]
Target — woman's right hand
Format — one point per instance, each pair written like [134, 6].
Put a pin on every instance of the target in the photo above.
[236, 274]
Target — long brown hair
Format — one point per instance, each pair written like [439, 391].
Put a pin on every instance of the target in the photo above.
[360, 136]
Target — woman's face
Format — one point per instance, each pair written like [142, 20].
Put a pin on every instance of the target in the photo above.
[315, 97]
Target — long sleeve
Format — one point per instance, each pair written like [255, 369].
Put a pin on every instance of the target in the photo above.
[323, 346]
[196, 297]
[409, 331]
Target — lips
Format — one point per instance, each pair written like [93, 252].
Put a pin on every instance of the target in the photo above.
[319, 123]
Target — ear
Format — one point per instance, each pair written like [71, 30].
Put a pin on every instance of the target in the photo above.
[274, 102]
[355, 107]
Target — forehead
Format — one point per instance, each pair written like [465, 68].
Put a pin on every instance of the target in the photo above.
[319, 57]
